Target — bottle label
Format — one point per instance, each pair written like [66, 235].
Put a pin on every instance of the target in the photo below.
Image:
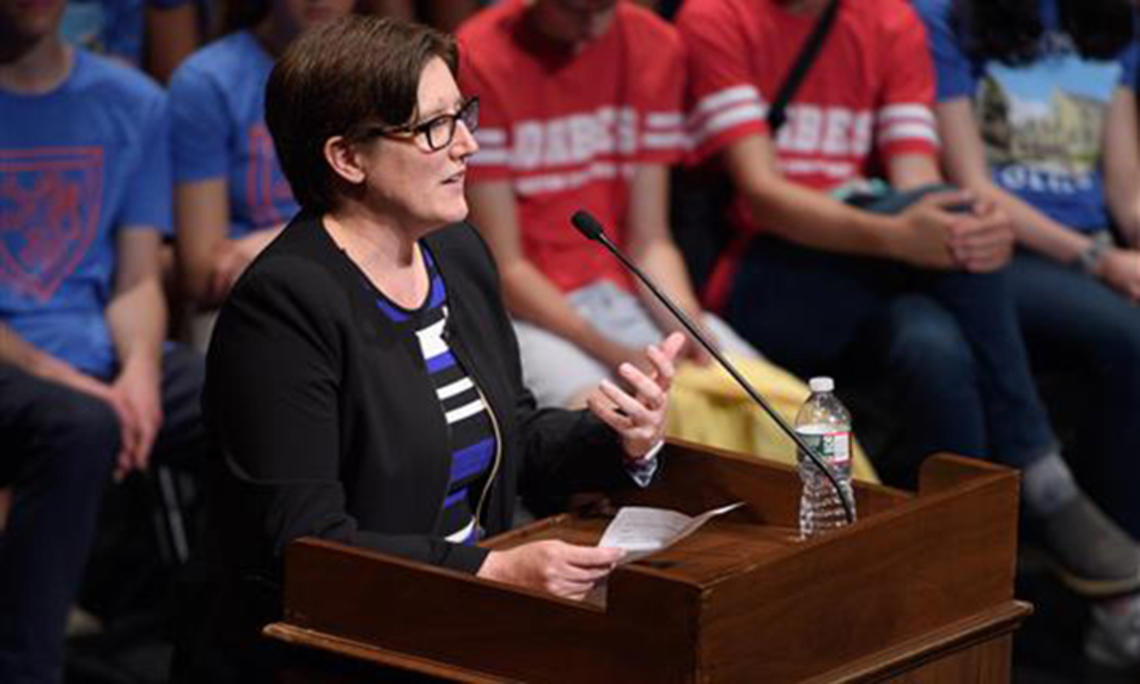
[833, 447]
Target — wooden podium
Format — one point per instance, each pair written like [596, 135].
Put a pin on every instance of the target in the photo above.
[919, 589]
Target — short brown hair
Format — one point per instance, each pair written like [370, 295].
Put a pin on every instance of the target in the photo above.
[340, 79]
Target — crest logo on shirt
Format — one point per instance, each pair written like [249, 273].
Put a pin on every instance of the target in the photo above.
[266, 185]
[50, 199]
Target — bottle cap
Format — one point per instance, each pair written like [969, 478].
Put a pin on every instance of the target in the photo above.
[821, 384]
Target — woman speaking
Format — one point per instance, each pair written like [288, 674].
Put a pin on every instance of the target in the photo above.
[363, 382]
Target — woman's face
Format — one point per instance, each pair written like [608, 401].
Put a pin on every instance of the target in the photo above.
[419, 187]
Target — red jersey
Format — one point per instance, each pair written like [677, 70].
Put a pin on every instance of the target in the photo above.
[568, 129]
[867, 96]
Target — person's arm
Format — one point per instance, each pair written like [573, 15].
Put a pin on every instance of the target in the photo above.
[171, 34]
[965, 161]
[136, 316]
[529, 294]
[653, 250]
[136, 313]
[1121, 267]
[981, 239]
[18, 352]
[567, 450]
[918, 236]
[637, 418]
[201, 131]
[1122, 164]
[727, 111]
[209, 260]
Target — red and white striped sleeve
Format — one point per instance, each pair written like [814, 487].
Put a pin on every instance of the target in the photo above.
[904, 120]
[724, 103]
[660, 96]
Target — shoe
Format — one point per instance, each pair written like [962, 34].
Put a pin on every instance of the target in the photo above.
[1087, 551]
[1113, 638]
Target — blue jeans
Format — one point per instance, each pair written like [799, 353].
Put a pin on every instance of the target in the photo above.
[58, 449]
[1072, 321]
[946, 344]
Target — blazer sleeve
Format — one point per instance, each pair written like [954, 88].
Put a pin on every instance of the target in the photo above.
[273, 399]
[562, 451]
[567, 451]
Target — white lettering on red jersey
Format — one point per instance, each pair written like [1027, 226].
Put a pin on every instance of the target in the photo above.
[569, 131]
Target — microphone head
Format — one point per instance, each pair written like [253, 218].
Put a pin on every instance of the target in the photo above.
[587, 225]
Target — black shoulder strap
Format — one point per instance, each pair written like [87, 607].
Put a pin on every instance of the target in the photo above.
[777, 113]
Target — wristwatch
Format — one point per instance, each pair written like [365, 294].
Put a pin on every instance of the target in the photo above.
[1090, 256]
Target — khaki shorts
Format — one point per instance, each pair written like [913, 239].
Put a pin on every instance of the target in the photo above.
[557, 371]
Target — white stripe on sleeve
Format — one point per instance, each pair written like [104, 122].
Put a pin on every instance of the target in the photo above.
[727, 119]
[916, 112]
[912, 131]
[722, 98]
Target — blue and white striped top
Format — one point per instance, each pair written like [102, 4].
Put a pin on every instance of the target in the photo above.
[471, 432]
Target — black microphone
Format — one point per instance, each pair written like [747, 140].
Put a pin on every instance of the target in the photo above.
[589, 227]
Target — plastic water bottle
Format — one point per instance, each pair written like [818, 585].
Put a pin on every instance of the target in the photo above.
[825, 425]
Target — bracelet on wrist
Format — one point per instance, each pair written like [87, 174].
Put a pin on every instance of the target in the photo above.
[1091, 256]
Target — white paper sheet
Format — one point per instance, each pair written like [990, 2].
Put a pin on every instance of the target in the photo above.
[642, 531]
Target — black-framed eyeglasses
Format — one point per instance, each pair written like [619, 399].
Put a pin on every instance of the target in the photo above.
[438, 131]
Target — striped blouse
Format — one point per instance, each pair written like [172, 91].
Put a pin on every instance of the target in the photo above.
[471, 430]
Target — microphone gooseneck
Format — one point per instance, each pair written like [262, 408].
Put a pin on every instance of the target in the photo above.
[589, 227]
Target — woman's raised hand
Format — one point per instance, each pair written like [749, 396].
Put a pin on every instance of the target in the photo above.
[639, 418]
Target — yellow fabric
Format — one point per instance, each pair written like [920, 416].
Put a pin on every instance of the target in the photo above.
[708, 407]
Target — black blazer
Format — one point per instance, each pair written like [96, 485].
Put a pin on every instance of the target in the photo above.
[328, 425]
[324, 421]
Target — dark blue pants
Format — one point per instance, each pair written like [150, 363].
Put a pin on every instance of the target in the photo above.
[945, 344]
[1074, 323]
[57, 447]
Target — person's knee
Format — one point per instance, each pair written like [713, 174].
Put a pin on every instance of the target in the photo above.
[85, 434]
[928, 342]
[1118, 351]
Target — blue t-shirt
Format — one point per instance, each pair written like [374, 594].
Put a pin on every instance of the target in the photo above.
[110, 27]
[1042, 123]
[77, 165]
[217, 109]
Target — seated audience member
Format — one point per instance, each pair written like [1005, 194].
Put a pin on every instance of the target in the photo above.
[85, 386]
[596, 127]
[917, 300]
[580, 108]
[1037, 109]
[363, 382]
[230, 197]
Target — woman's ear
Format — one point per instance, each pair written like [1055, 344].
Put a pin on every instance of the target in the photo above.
[343, 158]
